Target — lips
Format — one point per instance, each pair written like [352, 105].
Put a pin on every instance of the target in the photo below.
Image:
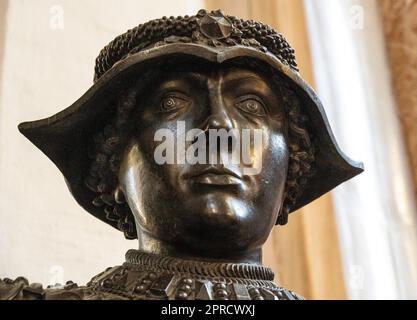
[220, 176]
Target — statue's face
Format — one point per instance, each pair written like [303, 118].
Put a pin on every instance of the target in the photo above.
[209, 209]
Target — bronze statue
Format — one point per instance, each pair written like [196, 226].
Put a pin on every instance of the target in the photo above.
[200, 225]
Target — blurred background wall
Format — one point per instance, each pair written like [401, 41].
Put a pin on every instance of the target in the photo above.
[357, 243]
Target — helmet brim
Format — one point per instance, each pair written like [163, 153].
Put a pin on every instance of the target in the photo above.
[65, 136]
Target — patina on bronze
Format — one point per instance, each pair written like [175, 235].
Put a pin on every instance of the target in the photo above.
[200, 227]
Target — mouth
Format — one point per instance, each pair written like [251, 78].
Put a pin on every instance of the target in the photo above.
[220, 176]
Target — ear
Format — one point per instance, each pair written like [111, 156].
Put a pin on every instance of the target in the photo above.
[119, 196]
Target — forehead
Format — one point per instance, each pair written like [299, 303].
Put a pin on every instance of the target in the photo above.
[202, 71]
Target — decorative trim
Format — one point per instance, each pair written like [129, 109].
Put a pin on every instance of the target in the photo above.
[200, 268]
[211, 28]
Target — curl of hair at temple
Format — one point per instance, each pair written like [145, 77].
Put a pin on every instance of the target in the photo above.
[106, 157]
[301, 148]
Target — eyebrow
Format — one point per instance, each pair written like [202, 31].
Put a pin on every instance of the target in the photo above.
[243, 78]
[247, 75]
[236, 80]
[188, 76]
[196, 76]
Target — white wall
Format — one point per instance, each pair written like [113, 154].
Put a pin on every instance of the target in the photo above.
[44, 234]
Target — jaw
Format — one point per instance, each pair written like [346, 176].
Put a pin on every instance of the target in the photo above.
[150, 244]
[211, 226]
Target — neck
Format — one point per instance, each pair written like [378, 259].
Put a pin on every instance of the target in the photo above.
[150, 244]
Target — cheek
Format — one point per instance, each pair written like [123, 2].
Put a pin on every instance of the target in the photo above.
[140, 174]
[139, 178]
[132, 165]
[276, 162]
[280, 152]
[130, 177]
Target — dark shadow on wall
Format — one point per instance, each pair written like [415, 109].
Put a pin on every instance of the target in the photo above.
[4, 4]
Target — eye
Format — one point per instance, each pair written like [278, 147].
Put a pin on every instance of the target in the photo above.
[173, 102]
[251, 104]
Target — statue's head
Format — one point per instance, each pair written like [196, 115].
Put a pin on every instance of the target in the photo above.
[198, 134]
[202, 201]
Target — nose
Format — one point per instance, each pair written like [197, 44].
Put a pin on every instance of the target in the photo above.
[218, 116]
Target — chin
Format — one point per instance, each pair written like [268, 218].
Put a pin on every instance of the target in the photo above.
[218, 224]
[222, 211]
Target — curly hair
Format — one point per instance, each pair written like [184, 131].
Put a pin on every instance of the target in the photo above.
[302, 151]
[109, 146]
